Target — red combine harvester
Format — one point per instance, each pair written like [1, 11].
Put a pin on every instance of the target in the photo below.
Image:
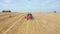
[29, 16]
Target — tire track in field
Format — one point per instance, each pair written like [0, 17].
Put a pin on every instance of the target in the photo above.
[37, 26]
[9, 23]
[19, 27]
[33, 27]
[27, 27]
[8, 20]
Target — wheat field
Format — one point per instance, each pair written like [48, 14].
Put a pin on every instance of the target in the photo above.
[43, 23]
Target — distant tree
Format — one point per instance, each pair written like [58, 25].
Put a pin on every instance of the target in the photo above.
[6, 11]
[54, 11]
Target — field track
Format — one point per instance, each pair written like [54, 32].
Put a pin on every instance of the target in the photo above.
[43, 23]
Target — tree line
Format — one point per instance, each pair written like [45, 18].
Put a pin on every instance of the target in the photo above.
[6, 10]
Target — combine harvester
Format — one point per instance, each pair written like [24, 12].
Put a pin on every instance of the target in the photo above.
[29, 16]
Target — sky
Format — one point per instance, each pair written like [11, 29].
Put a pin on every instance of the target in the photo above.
[30, 5]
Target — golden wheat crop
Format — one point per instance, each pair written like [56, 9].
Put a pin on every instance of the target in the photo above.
[43, 23]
